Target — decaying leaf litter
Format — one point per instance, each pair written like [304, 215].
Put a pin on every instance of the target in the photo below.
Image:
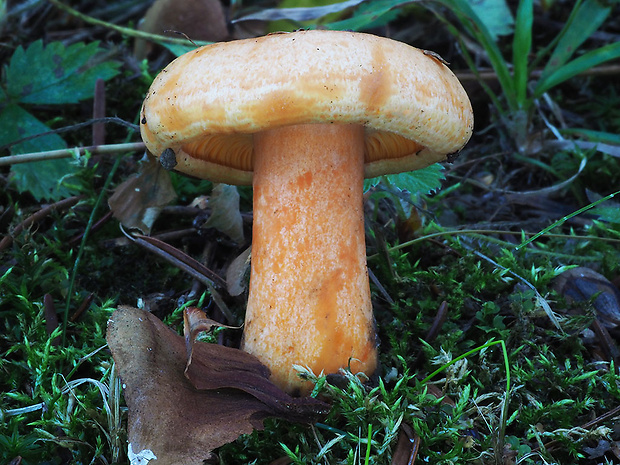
[455, 266]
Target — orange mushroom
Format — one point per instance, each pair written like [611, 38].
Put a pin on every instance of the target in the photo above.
[304, 117]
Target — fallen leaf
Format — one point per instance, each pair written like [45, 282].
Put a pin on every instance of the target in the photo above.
[181, 421]
[225, 215]
[137, 202]
[407, 446]
[582, 284]
[238, 272]
[195, 321]
[197, 19]
[282, 461]
[603, 446]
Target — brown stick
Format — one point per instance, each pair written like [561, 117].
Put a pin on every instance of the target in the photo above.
[61, 205]
[468, 76]
[67, 153]
[99, 112]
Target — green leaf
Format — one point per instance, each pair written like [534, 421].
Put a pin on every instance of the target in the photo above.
[178, 49]
[56, 74]
[41, 179]
[422, 181]
[578, 66]
[583, 23]
[521, 47]
[609, 214]
[299, 14]
[496, 16]
[370, 14]
[17, 124]
[592, 135]
[479, 30]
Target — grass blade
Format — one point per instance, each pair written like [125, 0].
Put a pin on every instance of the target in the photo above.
[587, 18]
[562, 220]
[521, 47]
[578, 66]
[476, 27]
[298, 14]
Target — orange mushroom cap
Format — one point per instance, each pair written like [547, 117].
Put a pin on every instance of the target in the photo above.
[207, 103]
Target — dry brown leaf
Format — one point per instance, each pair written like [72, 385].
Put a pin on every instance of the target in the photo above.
[197, 19]
[582, 284]
[225, 215]
[406, 449]
[237, 273]
[282, 461]
[136, 203]
[181, 421]
[195, 321]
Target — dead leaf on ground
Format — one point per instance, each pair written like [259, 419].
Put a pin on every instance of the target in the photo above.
[238, 273]
[182, 421]
[582, 284]
[282, 461]
[407, 446]
[225, 214]
[137, 202]
[197, 19]
[195, 321]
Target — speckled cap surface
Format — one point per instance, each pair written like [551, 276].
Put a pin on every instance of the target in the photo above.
[206, 105]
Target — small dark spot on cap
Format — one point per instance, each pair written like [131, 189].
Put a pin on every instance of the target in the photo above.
[168, 159]
[452, 156]
[143, 120]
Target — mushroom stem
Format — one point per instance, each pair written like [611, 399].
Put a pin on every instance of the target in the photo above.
[309, 301]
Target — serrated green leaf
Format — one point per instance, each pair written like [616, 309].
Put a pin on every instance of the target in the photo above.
[41, 179]
[422, 181]
[61, 75]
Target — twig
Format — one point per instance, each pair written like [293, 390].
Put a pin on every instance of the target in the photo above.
[51, 317]
[85, 304]
[101, 221]
[468, 76]
[67, 153]
[590, 424]
[186, 263]
[82, 248]
[99, 112]
[61, 205]
[120, 29]
[73, 127]
[485, 232]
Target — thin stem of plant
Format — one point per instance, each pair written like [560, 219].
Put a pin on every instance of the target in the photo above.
[482, 232]
[39, 215]
[82, 247]
[72, 152]
[73, 127]
[567, 217]
[124, 30]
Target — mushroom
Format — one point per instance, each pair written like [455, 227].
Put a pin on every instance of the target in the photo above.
[304, 117]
